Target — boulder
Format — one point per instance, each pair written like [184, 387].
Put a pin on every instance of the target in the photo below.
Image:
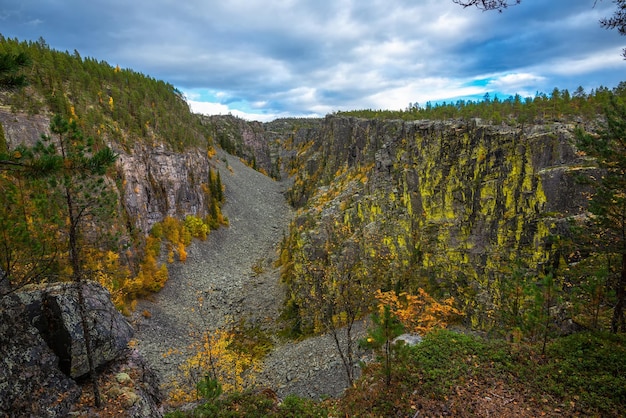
[31, 383]
[408, 339]
[54, 311]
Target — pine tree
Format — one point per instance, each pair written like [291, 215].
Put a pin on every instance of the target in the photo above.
[83, 190]
[608, 204]
[10, 66]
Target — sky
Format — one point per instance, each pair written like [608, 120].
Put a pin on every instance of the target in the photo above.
[262, 60]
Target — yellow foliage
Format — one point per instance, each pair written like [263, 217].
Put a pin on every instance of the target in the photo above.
[151, 276]
[234, 370]
[73, 114]
[108, 271]
[182, 254]
[419, 313]
[196, 227]
[171, 229]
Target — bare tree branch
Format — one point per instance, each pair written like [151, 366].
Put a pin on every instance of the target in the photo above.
[498, 5]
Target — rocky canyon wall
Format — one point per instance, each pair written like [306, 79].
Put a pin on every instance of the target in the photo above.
[456, 206]
[152, 181]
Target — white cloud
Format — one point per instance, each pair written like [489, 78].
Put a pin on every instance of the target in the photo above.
[422, 91]
[212, 108]
[596, 61]
[310, 57]
[514, 82]
[208, 108]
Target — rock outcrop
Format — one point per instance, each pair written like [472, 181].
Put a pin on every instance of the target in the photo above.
[42, 348]
[153, 181]
[246, 140]
[157, 182]
[31, 383]
[55, 312]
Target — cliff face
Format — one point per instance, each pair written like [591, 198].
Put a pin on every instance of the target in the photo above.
[246, 140]
[152, 181]
[455, 206]
[157, 183]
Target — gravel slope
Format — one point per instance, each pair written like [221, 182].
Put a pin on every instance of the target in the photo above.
[221, 265]
[221, 270]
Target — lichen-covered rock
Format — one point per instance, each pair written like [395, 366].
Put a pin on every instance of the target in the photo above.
[54, 311]
[31, 384]
[457, 204]
[408, 339]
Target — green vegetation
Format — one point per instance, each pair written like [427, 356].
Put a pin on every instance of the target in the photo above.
[402, 222]
[559, 105]
[608, 204]
[55, 201]
[254, 404]
[114, 104]
[10, 68]
[578, 375]
[461, 375]
[95, 104]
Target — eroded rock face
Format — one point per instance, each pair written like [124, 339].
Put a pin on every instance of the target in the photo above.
[153, 182]
[20, 128]
[158, 182]
[54, 311]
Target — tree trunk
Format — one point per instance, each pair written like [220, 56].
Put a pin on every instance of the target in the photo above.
[618, 323]
[78, 279]
[92, 369]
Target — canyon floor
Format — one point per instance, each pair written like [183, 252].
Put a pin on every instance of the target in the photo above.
[233, 273]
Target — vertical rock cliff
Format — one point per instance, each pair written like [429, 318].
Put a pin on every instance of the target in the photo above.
[152, 180]
[454, 206]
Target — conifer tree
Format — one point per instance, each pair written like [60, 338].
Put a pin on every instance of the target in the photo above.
[83, 191]
[608, 204]
[10, 66]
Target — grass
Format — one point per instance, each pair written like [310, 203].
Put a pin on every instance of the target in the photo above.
[255, 404]
[464, 376]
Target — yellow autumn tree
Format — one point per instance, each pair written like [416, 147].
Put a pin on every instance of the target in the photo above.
[106, 268]
[420, 313]
[214, 357]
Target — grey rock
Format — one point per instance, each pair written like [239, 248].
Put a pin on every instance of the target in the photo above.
[54, 311]
[31, 384]
[408, 339]
[144, 400]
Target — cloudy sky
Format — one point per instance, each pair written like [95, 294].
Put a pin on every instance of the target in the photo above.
[266, 59]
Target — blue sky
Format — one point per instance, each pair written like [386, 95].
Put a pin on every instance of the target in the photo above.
[275, 58]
